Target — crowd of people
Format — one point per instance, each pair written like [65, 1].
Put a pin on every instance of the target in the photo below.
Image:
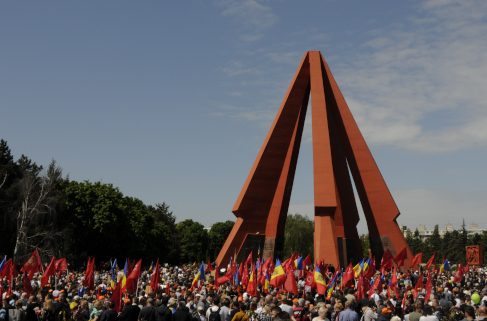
[177, 299]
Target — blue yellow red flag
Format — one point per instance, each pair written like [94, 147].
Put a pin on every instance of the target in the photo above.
[299, 263]
[332, 286]
[278, 277]
[200, 275]
[124, 277]
[113, 266]
[320, 281]
[357, 269]
[366, 265]
[266, 284]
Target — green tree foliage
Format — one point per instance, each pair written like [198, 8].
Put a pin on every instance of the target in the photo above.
[298, 235]
[365, 242]
[106, 224]
[193, 241]
[217, 236]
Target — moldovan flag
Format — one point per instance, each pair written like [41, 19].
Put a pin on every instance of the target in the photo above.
[358, 268]
[278, 277]
[199, 276]
[417, 259]
[320, 282]
[299, 263]
[332, 286]
[51, 270]
[266, 285]
[126, 270]
[133, 279]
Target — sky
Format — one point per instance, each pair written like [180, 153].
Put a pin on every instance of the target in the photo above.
[171, 101]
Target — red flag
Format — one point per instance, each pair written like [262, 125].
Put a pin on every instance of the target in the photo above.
[227, 277]
[6, 269]
[61, 265]
[51, 270]
[33, 262]
[27, 286]
[117, 297]
[98, 292]
[310, 279]
[245, 274]
[360, 286]
[431, 261]
[419, 284]
[428, 289]
[348, 276]
[417, 259]
[466, 269]
[404, 301]
[249, 259]
[209, 268]
[376, 285]
[371, 271]
[265, 268]
[386, 262]
[394, 281]
[252, 283]
[133, 279]
[168, 288]
[307, 260]
[217, 275]
[13, 271]
[458, 274]
[401, 256]
[290, 284]
[155, 279]
[89, 280]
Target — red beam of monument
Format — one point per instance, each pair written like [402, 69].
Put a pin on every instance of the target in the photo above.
[262, 206]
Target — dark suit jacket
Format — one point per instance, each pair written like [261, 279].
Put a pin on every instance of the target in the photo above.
[129, 313]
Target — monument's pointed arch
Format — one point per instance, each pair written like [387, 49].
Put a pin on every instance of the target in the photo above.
[338, 146]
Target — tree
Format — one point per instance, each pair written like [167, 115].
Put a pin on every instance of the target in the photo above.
[365, 242]
[166, 222]
[298, 235]
[217, 236]
[36, 217]
[192, 239]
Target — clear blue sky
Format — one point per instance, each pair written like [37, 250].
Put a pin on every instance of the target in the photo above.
[171, 100]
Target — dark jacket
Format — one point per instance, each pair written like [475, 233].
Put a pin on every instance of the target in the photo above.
[129, 313]
[182, 314]
[382, 317]
[163, 313]
[148, 313]
[108, 315]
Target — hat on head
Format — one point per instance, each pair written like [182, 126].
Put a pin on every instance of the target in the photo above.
[200, 308]
[126, 301]
[386, 310]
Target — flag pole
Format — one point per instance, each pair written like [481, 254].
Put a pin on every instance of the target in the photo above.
[137, 291]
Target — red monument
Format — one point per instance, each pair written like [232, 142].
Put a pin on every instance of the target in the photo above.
[262, 205]
[475, 255]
